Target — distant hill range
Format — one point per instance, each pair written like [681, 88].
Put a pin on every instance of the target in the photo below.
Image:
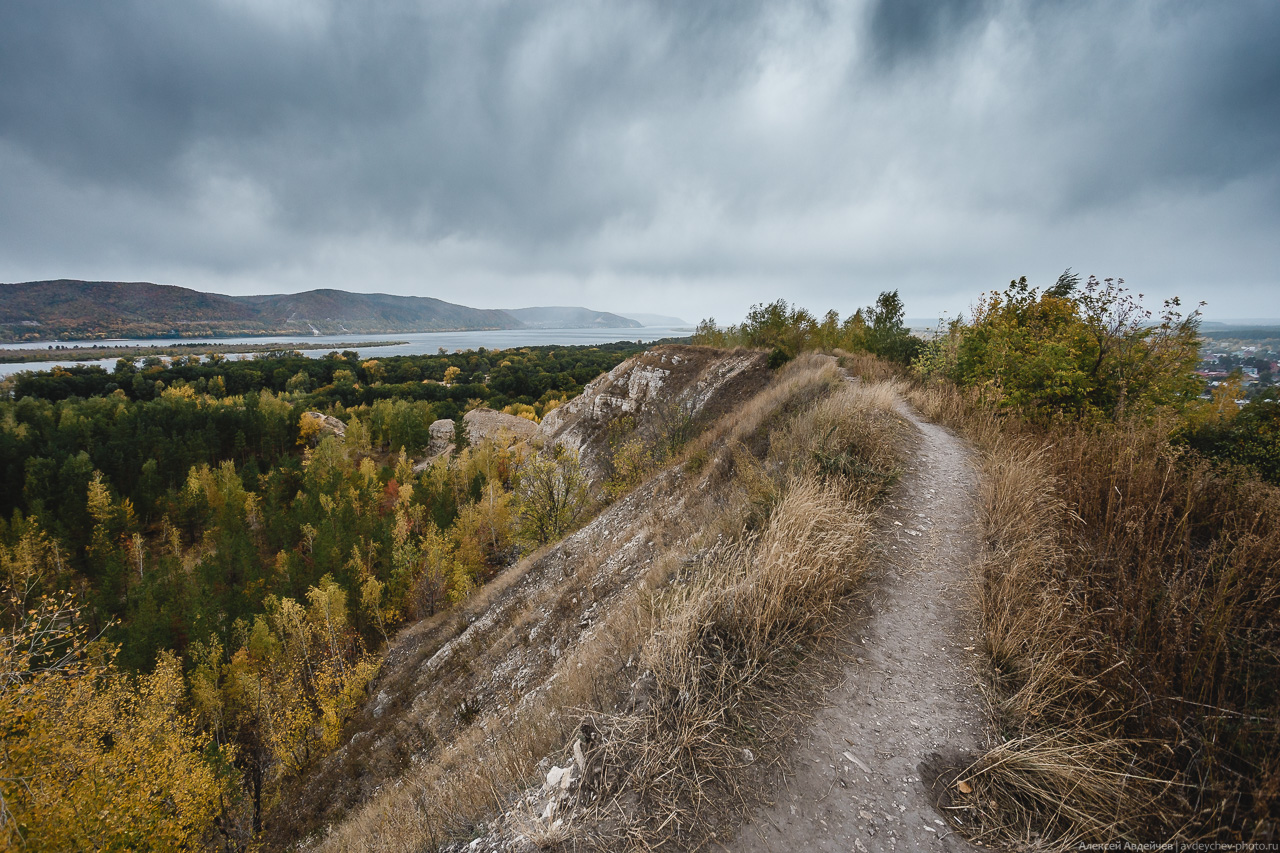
[1228, 325]
[94, 310]
[657, 320]
[571, 318]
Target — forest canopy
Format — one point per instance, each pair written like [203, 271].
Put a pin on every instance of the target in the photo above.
[178, 551]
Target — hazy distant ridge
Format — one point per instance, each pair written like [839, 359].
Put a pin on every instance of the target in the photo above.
[68, 309]
[559, 317]
[656, 319]
[375, 312]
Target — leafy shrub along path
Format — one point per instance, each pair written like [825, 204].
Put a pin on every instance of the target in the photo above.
[908, 702]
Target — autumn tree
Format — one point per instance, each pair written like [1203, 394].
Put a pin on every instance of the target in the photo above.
[91, 758]
[299, 673]
[788, 330]
[886, 334]
[551, 495]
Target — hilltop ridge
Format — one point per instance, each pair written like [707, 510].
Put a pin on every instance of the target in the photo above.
[69, 309]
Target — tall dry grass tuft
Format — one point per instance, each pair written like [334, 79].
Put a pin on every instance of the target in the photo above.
[802, 381]
[962, 409]
[811, 419]
[1130, 600]
[868, 367]
[853, 434]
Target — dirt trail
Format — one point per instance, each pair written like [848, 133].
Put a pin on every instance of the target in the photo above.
[855, 776]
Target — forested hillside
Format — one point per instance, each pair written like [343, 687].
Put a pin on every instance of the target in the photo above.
[180, 524]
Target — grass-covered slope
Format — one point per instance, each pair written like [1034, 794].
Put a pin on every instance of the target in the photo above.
[1129, 596]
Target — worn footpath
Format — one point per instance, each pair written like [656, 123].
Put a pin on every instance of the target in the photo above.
[908, 702]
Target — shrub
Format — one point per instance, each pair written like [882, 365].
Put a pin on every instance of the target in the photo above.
[788, 330]
[1088, 352]
[1250, 438]
[551, 495]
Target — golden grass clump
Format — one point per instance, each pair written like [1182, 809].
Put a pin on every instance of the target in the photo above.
[1130, 601]
[854, 434]
[799, 383]
[867, 366]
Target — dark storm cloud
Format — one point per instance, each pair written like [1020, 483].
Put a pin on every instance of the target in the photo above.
[720, 151]
[911, 29]
[1193, 106]
[379, 112]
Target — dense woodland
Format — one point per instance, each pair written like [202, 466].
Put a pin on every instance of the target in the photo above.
[174, 538]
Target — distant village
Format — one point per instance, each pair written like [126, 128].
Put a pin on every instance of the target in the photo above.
[1248, 358]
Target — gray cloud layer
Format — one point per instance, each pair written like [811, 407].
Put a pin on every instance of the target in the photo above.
[689, 157]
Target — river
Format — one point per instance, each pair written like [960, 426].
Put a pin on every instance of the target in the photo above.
[416, 343]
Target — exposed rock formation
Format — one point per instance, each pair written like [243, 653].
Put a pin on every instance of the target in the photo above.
[486, 423]
[328, 425]
[481, 424]
[659, 390]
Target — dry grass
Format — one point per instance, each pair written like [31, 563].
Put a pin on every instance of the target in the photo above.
[962, 410]
[827, 440]
[720, 661]
[798, 384]
[867, 366]
[1129, 604]
[681, 576]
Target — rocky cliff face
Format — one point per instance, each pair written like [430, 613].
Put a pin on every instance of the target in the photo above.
[659, 390]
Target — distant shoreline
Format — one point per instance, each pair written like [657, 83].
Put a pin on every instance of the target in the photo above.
[95, 352]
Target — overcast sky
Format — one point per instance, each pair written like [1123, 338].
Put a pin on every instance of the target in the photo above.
[678, 157]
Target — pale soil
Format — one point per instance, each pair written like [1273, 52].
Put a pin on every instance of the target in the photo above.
[858, 776]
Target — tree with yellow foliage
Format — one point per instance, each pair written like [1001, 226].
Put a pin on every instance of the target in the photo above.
[551, 495]
[93, 759]
[1088, 351]
[309, 432]
[299, 674]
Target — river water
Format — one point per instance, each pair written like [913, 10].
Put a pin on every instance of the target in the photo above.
[416, 343]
